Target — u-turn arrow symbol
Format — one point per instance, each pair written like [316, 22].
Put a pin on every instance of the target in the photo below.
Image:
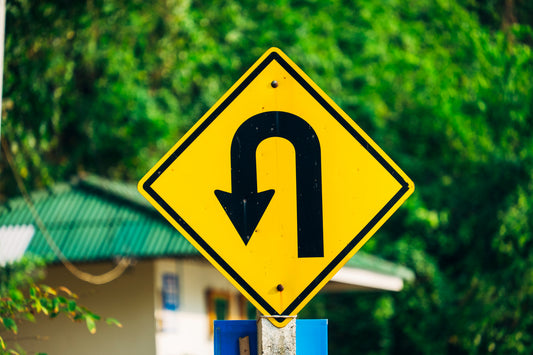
[245, 205]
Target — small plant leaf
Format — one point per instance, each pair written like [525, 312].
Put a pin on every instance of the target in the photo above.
[10, 324]
[49, 290]
[64, 289]
[90, 324]
[113, 321]
[29, 317]
[16, 294]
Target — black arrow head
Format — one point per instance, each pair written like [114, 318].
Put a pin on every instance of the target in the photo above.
[245, 210]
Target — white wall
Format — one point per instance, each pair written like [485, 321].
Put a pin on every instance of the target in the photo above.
[186, 331]
[130, 299]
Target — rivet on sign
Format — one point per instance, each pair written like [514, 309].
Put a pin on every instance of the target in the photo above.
[274, 84]
[280, 287]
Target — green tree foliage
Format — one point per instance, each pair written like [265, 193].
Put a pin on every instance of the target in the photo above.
[445, 87]
[22, 299]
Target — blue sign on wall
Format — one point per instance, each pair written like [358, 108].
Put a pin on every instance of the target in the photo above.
[170, 292]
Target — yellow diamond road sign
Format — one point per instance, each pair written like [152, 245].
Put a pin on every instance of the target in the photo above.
[276, 186]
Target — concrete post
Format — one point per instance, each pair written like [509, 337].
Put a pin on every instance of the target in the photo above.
[272, 340]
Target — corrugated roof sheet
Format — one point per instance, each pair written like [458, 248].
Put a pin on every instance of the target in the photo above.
[93, 219]
[97, 219]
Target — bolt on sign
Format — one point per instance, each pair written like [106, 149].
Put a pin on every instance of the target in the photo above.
[276, 186]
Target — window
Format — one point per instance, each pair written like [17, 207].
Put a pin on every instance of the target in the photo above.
[224, 305]
[218, 307]
[246, 309]
[221, 308]
[251, 311]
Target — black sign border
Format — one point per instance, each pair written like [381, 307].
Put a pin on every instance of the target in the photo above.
[274, 56]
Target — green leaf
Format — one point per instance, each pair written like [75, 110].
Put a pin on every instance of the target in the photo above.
[49, 290]
[29, 317]
[10, 324]
[37, 306]
[2, 344]
[47, 305]
[113, 321]
[55, 305]
[90, 324]
[72, 306]
[16, 295]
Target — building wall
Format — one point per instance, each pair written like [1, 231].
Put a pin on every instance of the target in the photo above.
[130, 299]
[136, 300]
[188, 330]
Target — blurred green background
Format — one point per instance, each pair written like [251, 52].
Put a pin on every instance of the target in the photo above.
[444, 87]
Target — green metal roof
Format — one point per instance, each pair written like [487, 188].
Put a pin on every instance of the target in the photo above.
[96, 219]
[92, 219]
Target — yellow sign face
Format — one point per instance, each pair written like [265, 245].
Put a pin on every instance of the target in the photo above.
[276, 186]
